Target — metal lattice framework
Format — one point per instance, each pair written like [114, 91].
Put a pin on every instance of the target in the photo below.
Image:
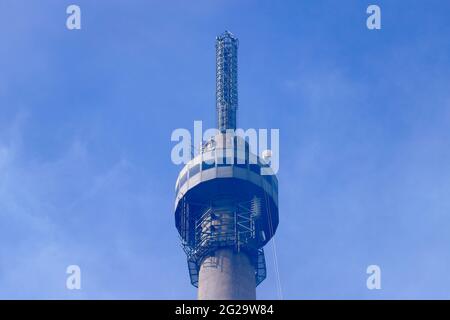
[226, 80]
[230, 226]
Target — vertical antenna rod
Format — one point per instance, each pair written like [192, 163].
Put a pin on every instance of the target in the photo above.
[226, 81]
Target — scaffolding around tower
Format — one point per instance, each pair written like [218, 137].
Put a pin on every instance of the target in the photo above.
[229, 226]
[226, 204]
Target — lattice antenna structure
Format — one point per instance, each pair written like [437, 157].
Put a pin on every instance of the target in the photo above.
[226, 80]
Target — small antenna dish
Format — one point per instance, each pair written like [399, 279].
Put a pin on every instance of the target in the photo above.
[267, 155]
[210, 145]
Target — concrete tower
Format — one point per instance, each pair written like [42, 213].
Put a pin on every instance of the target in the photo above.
[226, 210]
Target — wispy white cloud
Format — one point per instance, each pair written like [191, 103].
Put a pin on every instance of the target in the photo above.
[64, 211]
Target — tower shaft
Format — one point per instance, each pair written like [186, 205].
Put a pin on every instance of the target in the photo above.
[227, 275]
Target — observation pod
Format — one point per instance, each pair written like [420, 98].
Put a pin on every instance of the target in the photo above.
[226, 210]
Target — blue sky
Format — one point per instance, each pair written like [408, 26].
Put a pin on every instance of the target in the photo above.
[86, 118]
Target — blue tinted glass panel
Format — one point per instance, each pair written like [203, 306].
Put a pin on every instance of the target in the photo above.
[206, 166]
[194, 170]
[183, 179]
